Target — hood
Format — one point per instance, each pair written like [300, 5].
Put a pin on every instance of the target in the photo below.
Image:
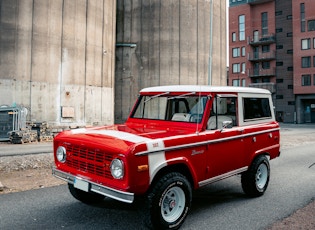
[117, 138]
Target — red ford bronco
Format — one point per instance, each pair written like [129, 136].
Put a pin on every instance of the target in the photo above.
[176, 139]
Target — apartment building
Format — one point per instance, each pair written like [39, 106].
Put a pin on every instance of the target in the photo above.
[272, 46]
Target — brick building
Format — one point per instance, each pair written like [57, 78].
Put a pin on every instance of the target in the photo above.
[272, 45]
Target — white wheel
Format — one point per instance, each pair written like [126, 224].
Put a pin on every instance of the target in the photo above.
[255, 180]
[261, 176]
[173, 204]
[169, 201]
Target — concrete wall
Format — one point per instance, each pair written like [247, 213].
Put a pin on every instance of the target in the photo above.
[167, 42]
[57, 59]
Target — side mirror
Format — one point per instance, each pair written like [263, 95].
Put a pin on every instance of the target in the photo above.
[227, 124]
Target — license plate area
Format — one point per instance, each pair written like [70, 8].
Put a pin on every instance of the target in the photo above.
[81, 184]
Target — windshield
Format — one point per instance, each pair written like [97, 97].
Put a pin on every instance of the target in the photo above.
[181, 108]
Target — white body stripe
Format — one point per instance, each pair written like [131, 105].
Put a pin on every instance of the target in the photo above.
[157, 159]
[113, 133]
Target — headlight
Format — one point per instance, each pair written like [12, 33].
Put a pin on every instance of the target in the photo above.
[117, 168]
[61, 154]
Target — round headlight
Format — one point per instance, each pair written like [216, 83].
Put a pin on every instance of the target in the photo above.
[117, 168]
[61, 154]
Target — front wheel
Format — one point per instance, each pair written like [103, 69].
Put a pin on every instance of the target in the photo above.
[169, 202]
[255, 180]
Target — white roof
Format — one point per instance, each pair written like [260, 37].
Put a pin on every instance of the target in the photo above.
[205, 88]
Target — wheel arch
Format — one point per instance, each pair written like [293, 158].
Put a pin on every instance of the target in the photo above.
[175, 167]
[259, 153]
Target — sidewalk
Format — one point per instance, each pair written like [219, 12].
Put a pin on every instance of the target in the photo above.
[8, 149]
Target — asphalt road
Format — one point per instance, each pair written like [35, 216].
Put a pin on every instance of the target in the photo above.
[221, 205]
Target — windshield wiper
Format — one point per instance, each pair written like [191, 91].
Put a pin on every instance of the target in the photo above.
[158, 95]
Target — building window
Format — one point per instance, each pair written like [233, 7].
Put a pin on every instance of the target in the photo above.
[306, 44]
[290, 68]
[256, 36]
[234, 37]
[279, 30]
[264, 23]
[279, 96]
[279, 80]
[266, 80]
[314, 79]
[302, 16]
[291, 102]
[311, 25]
[289, 51]
[290, 34]
[235, 52]
[265, 65]
[243, 51]
[236, 82]
[244, 82]
[278, 13]
[306, 80]
[243, 67]
[279, 63]
[279, 47]
[290, 86]
[313, 61]
[289, 17]
[265, 48]
[241, 26]
[236, 68]
[306, 62]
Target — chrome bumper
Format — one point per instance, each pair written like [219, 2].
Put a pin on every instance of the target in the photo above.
[97, 188]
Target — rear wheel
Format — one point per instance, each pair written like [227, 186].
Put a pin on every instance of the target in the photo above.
[255, 180]
[169, 202]
[85, 197]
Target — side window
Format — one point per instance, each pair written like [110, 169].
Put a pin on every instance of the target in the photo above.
[223, 112]
[256, 108]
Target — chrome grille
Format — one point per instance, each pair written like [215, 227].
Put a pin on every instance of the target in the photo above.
[93, 161]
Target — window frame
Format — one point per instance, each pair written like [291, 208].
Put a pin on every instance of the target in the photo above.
[264, 23]
[233, 37]
[311, 25]
[253, 121]
[241, 27]
[237, 66]
[306, 62]
[236, 52]
[305, 44]
[306, 80]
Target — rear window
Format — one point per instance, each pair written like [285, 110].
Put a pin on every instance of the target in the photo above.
[256, 108]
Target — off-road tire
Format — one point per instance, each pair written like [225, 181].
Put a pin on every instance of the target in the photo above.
[255, 180]
[169, 202]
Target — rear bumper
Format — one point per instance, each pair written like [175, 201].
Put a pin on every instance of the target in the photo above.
[94, 187]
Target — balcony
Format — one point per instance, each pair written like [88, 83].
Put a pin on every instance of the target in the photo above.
[261, 56]
[268, 85]
[262, 40]
[262, 72]
[256, 2]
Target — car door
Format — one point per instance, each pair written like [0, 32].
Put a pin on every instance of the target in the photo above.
[226, 146]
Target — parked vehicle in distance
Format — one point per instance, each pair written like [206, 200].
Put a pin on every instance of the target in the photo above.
[176, 139]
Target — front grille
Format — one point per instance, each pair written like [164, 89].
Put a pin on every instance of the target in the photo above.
[88, 160]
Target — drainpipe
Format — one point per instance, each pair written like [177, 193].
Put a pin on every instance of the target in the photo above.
[210, 49]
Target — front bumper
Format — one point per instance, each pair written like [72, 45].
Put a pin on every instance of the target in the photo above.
[94, 187]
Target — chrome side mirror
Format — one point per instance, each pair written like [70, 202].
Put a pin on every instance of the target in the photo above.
[227, 124]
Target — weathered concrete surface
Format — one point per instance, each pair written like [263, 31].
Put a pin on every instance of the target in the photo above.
[172, 41]
[56, 54]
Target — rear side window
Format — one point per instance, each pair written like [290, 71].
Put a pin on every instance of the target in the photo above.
[256, 108]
